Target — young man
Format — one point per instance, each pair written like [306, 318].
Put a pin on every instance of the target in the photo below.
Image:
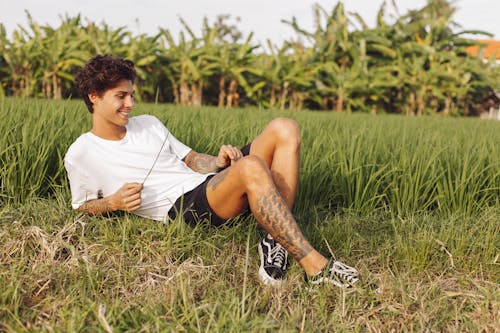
[135, 164]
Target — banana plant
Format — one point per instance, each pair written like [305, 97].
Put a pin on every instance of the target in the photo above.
[61, 55]
[233, 61]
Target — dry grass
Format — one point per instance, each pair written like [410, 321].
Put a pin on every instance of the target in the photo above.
[69, 272]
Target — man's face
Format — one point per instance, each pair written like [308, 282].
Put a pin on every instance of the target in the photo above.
[115, 105]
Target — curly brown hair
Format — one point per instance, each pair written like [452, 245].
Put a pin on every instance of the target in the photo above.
[101, 73]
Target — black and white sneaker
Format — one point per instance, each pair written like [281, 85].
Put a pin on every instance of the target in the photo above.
[273, 261]
[336, 273]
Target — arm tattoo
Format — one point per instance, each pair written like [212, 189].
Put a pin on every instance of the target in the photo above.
[201, 163]
[95, 207]
[275, 217]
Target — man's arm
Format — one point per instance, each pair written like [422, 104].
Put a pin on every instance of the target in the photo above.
[127, 198]
[201, 163]
[96, 207]
[204, 163]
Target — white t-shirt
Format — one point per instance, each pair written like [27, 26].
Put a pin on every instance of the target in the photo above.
[99, 166]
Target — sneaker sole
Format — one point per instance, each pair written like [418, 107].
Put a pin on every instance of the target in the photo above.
[335, 283]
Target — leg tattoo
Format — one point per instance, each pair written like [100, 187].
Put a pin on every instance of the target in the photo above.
[274, 216]
[217, 179]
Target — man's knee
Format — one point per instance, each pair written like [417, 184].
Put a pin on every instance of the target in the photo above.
[286, 130]
[253, 169]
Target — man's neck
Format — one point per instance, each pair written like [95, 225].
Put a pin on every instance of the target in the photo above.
[116, 133]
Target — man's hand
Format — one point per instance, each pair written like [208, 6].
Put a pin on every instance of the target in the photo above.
[127, 198]
[204, 163]
[227, 156]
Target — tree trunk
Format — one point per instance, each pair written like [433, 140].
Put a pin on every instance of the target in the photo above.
[21, 87]
[324, 103]
[193, 95]
[293, 99]
[339, 103]
[196, 93]
[272, 101]
[447, 105]
[399, 100]
[56, 84]
[200, 93]
[411, 108]
[222, 91]
[27, 92]
[420, 102]
[15, 89]
[184, 91]
[284, 93]
[233, 96]
[300, 104]
[47, 88]
[175, 91]
[296, 100]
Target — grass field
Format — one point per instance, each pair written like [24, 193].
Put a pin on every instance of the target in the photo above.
[413, 203]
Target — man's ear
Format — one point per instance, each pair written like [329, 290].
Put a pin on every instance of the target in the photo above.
[93, 96]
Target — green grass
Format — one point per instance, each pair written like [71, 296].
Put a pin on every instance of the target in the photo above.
[411, 202]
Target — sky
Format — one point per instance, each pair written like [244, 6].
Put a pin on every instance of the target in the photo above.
[263, 17]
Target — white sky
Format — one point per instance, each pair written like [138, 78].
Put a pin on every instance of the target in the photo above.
[263, 17]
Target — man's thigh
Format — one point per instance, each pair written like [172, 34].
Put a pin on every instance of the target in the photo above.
[226, 193]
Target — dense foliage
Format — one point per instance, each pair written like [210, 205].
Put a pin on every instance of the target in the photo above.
[415, 65]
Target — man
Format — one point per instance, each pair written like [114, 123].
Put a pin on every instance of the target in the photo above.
[135, 164]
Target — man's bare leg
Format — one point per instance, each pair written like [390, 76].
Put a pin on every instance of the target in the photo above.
[249, 182]
[279, 147]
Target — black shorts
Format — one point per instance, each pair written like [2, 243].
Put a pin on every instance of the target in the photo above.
[194, 204]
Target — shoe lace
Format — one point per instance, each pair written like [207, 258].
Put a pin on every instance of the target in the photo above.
[277, 255]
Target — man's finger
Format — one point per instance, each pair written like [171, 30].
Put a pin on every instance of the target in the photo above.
[234, 152]
[132, 185]
[133, 196]
[239, 154]
[133, 205]
[133, 188]
[137, 186]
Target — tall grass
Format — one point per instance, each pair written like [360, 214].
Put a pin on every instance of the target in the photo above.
[404, 165]
[34, 135]
[365, 163]
[413, 203]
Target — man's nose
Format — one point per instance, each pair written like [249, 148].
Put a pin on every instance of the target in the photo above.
[129, 101]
